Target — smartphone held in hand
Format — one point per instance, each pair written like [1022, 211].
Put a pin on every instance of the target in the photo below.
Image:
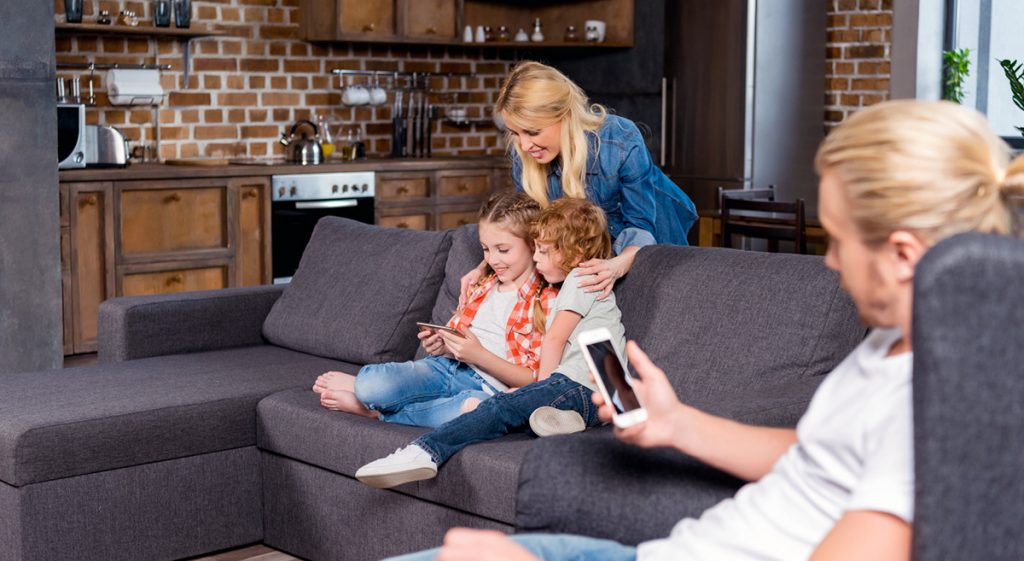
[435, 327]
[612, 377]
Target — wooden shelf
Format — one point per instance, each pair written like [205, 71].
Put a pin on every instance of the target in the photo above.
[505, 45]
[141, 30]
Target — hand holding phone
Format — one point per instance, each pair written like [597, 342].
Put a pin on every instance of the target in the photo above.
[436, 327]
[612, 377]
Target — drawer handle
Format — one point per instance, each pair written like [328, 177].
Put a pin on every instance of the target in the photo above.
[370, 27]
[463, 222]
[173, 198]
[176, 279]
[403, 190]
[249, 194]
[431, 30]
[462, 188]
[91, 200]
[402, 225]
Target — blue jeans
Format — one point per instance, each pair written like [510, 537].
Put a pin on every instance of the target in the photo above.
[424, 393]
[507, 412]
[555, 547]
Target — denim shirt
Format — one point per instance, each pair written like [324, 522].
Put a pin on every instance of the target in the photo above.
[643, 205]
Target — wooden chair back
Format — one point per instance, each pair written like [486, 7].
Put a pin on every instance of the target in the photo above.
[754, 213]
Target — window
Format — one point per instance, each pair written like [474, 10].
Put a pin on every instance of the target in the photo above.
[991, 29]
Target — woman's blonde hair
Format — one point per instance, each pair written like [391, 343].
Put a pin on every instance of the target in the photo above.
[515, 213]
[536, 96]
[932, 168]
[577, 229]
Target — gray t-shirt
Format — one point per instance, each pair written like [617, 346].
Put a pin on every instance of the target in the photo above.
[596, 313]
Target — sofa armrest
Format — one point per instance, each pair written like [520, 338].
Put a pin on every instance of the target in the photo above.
[143, 326]
[592, 484]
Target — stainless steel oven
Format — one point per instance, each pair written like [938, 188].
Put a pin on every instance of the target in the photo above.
[300, 200]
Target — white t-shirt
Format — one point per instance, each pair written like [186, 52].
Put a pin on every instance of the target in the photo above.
[854, 452]
[489, 325]
[595, 313]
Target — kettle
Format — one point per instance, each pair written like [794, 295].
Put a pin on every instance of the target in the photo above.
[304, 150]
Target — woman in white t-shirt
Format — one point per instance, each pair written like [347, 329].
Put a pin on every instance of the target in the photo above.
[895, 179]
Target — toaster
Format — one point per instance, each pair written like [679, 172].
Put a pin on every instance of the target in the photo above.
[105, 147]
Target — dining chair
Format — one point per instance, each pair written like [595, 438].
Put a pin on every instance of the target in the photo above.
[754, 213]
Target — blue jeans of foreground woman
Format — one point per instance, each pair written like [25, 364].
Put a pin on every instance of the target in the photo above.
[508, 412]
[555, 547]
[424, 393]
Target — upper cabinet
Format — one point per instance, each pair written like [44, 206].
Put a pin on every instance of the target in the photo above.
[442, 21]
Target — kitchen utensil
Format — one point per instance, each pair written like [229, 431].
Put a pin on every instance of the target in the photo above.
[304, 150]
[62, 96]
[182, 13]
[105, 147]
[73, 11]
[76, 90]
[162, 13]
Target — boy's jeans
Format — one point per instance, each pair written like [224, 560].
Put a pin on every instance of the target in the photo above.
[425, 393]
[507, 412]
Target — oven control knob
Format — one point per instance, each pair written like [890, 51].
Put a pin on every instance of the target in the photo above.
[280, 192]
[344, 188]
[334, 188]
[365, 187]
[294, 191]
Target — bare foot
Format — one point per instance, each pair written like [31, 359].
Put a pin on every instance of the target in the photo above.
[469, 405]
[334, 380]
[346, 401]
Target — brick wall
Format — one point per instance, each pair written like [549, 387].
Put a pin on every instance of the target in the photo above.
[248, 87]
[858, 56]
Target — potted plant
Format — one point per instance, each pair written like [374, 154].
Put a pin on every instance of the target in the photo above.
[957, 66]
[1015, 74]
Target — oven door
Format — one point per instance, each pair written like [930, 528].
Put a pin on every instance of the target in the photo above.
[292, 224]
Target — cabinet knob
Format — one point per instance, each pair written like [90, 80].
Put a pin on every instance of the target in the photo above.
[463, 222]
[432, 30]
[402, 225]
[403, 190]
[370, 27]
[249, 193]
[91, 200]
[173, 198]
[176, 279]
[462, 188]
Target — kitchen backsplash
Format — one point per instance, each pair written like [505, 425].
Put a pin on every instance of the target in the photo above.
[858, 56]
[248, 87]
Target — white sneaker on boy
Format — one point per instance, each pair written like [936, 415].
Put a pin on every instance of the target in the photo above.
[404, 465]
[548, 421]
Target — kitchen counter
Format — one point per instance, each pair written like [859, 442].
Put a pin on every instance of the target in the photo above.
[165, 171]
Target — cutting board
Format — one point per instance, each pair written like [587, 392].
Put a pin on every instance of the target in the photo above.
[198, 162]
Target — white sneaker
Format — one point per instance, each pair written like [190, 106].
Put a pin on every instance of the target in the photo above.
[405, 465]
[548, 421]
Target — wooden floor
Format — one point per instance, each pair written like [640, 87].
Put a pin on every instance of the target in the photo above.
[250, 553]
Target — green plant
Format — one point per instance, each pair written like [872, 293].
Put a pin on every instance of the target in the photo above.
[956, 66]
[1015, 74]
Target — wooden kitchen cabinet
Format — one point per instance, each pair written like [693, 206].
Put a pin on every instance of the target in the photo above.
[89, 258]
[133, 238]
[441, 21]
[434, 200]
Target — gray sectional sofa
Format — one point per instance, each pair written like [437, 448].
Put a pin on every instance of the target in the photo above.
[197, 431]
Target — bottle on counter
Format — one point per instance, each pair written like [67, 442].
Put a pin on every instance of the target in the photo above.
[326, 141]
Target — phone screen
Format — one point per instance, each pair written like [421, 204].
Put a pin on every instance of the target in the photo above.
[610, 369]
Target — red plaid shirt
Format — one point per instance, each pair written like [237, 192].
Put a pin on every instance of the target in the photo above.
[523, 340]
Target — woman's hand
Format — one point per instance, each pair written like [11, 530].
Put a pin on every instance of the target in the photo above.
[468, 280]
[666, 416]
[431, 341]
[606, 271]
[464, 544]
[466, 349]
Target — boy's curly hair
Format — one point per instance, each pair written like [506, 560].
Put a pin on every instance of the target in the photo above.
[576, 228]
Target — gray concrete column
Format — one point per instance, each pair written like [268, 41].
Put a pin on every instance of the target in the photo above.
[30, 284]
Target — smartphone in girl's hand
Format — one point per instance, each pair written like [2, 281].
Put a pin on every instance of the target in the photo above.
[612, 377]
[435, 327]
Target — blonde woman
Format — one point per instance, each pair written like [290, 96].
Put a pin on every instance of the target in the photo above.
[896, 178]
[563, 146]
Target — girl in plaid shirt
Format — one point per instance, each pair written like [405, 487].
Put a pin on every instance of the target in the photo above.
[567, 233]
[501, 326]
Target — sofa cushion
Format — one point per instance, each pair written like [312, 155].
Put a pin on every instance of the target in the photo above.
[480, 479]
[724, 323]
[82, 420]
[359, 292]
